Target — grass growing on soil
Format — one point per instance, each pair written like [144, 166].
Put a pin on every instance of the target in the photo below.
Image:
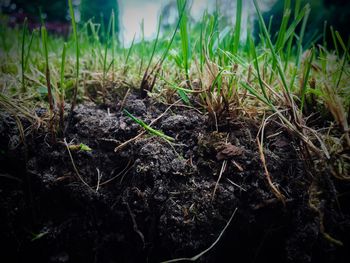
[304, 87]
[275, 74]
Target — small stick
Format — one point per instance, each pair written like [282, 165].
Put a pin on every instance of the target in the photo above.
[222, 170]
[99, 177]
[238, 166]
[240, 187]
[124, 99]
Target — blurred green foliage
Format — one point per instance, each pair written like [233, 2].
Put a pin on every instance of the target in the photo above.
[99, 11]
[335, 12]
[52, 10]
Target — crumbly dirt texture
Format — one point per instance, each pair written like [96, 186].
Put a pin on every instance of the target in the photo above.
[153, 200]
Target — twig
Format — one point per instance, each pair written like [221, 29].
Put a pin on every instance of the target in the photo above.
[237, 165]
[124, 99]
[240, 187]
[121, 146]
[222, 170]
[99, 177]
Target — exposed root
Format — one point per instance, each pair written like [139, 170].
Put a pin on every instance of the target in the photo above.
[315, 204]
[74, 167]
[195, 258]
[134, 223]
[274, 188]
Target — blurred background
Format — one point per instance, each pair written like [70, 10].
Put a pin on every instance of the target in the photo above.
[132, 15]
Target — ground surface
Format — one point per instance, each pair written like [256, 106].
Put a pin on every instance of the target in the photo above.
[155, 199]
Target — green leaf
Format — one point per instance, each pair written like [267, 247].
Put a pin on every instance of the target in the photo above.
[84, 147]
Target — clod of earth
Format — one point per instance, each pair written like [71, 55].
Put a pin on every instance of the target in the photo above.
[153, 200]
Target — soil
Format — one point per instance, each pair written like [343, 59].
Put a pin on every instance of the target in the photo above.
[155, 200]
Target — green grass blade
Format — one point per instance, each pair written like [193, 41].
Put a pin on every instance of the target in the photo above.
[291, 29]
[148, 128]
[155, 42]
[283, 27]
[306, 79]
[324, 34]
[63, 63]
[24, 32]
[237, 26]
[301, 36]
[112, 43]
[256, 65]
[181, 6]
[346, 54]
[28, 50]
[75, 34]
[335, 41]
[254, 93]
[342, 44]
[129, 51]
[272, 49]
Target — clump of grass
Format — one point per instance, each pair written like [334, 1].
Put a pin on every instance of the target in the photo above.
[204, 64]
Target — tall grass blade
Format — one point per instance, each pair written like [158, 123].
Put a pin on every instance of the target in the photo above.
[273, 52]
[181, 6]
[283, 27]
[256, 65]
[106, 51]
[128, 54]
[48, 82]
[306, 79]
[113, 43]
[335, 43]
[237, 26]
[75, 34]
[62, 86]
[24, 32]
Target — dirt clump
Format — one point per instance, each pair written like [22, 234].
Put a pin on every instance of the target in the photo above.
[153, 200]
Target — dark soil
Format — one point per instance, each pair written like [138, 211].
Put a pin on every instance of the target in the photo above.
[155, 200]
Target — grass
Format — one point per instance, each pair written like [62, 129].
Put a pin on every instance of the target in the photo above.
[185, 44]
[206, 64]
[149, 128]
[77, 54]
[304, 87]
[48, 83]
[62, 86]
